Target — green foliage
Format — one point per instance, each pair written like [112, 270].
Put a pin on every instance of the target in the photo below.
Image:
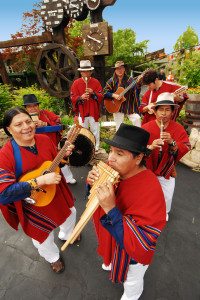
[125, 48]
[181, 116]
[6, 100]
[195, 90]
[67, 120]
[189, 70]
[188, 39]
[46, 101]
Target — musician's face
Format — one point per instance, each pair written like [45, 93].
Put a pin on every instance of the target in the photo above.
[22, 129]
[33, 109]
[86, 74]
[120, 71]
[164, 112]
[123, 162]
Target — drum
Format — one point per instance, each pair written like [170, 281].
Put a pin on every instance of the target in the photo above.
[84, 149]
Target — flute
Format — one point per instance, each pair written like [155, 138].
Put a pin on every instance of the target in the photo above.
[86, 85]
[161, 131]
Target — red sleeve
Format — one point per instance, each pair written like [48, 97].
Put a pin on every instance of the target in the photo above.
[145, 101]
[75, 93]
[49, 117]
[98, 91]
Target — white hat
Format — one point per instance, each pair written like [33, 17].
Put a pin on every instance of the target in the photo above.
[165, 99]
[85, 65]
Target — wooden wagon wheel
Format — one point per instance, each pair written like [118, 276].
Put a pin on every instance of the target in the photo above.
[56, 68]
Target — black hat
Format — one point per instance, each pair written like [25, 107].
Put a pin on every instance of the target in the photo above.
[131, 138]
[30, 99]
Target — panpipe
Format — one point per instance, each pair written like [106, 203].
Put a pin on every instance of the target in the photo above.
[106, 174]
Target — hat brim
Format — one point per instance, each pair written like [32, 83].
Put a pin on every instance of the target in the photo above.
[119, 66]
[86, 69]
[165, 102]
[125, 147]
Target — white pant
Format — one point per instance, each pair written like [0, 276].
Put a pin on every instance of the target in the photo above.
[134, 284]
[48, 249]
[67, 173]
[168, 186]
[119, 118]
[94, 127]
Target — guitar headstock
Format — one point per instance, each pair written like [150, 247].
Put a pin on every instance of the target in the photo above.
[73, 133]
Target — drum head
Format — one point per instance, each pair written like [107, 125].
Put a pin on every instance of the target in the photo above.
[83, 151]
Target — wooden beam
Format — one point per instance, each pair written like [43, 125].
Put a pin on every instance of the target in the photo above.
[46, 37]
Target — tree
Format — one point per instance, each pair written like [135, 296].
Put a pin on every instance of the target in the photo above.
[125, 48]
[189, 70]
[188, 39]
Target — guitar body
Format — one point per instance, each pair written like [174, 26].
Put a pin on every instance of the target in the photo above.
[113, 105]
[41, 198]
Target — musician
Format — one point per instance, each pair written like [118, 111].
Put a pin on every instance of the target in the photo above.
[86, 96]
[130, 106]
[44, 118]
[168, 145]
[26, 151]
[130, 218]
[157, 86]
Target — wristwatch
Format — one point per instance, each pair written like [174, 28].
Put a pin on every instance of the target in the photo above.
[173, 144]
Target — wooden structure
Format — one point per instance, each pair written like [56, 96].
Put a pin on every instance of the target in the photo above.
[56, 64]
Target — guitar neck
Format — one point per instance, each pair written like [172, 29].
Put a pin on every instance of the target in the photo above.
[73, 133]
[59, 157]
[180, 90]
[127, 89]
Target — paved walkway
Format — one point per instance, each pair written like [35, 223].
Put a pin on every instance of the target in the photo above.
[174, 274]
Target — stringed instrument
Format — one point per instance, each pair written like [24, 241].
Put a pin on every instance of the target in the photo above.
[47, 193]
[180, 90]
[113, 105]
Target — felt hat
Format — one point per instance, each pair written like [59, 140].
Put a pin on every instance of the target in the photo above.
[165, 99]
[85, 65]
[131, 138]
[30, 99]
[118, 64]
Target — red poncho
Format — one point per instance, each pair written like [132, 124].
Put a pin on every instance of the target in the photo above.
[37, 222]
[140, 199]
[168, 161]
[89, 108]
[165, 87]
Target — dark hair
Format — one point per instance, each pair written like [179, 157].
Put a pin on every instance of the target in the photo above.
[143, 161]
[150, 76]
[172, 107]
[10, 114]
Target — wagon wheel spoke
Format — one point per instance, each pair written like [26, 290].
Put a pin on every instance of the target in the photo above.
[56, 68]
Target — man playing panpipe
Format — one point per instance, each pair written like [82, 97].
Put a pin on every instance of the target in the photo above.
[129, 219]
[168, 145]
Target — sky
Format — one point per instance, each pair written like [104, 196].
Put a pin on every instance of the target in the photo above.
[160, 22]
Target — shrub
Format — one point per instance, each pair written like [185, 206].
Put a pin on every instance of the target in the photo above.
[46, 101]
[6, 100]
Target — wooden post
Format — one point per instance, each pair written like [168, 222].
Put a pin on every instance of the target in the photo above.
[3, 72]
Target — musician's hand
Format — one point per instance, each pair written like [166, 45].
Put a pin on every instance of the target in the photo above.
[149, 108]
[89, 91]
[116, 96]
[106, 196]
[156, 144]
[49, 178]
[179, 98]
[85, 96]
[40, 123]
[69, 150]
[93, 175]
[166, 136]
